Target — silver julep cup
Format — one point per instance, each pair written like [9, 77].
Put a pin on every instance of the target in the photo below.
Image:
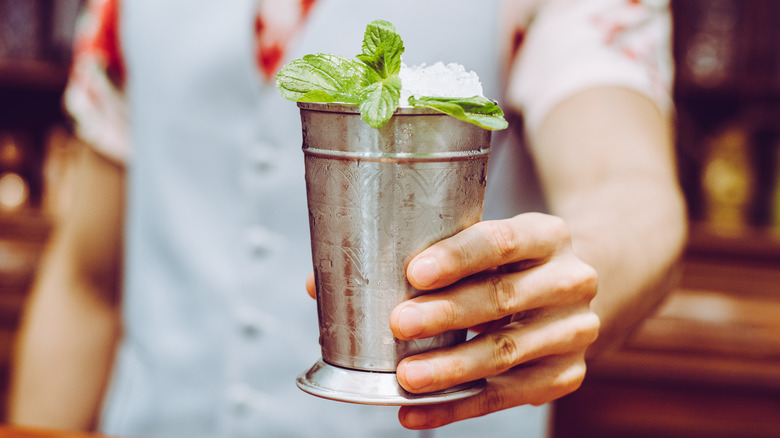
[378, 197]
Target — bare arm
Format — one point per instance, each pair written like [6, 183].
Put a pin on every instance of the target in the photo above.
[607, 163]
[71, 324]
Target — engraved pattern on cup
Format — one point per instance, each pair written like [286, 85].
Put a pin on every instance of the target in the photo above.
[371, 209]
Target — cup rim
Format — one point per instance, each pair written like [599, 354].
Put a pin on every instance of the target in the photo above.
[354, 109]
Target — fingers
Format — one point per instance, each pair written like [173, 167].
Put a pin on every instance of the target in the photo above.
[488, 244]
[563, 281]
[522, 269]
[538, 383]
[310, 288]
[544, 333]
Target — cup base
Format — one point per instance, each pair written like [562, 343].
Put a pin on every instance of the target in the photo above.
[374, 388]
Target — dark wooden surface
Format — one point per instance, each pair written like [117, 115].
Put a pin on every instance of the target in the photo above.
[706, 364]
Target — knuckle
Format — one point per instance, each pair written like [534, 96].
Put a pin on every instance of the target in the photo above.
[441, 415]
[594, 328]
[589, 280]
[465, 251]
[558, 230]
[456, 370]
[502, 294]
[566, 381]
[587, 330]
[493, 400]
[445, 415]
[501, 237]
[506, 351]
[572, 378]
[581, 282]
[593, 321]
[450, 314]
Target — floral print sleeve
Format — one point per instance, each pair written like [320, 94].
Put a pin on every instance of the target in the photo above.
[94, 96]
[560, 46]
[572, 45]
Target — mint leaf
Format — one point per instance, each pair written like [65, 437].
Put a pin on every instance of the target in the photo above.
[382, 49]
[477, 110]
[371, 81]
[322, 78]
[380, 100]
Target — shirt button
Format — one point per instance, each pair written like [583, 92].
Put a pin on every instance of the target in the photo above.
[262, 158]
[251, 323]
[250, 331]
[240, 408]
[239, 400]
[261, 241]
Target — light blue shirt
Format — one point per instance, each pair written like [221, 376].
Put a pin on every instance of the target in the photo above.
[217, 322]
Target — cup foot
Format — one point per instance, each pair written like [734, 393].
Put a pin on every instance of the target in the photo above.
[374, 388]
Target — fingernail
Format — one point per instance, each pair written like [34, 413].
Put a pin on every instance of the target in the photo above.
[410, 321]
[426, 271]
[419, 374]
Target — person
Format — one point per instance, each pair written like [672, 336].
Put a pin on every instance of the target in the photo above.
[167, 304]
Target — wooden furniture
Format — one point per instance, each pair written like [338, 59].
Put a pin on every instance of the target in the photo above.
[706, 364]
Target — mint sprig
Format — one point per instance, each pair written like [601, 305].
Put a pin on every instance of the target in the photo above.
[323, 78]
[477, 110]
[371, 82]
[380, 101]
[382, 49]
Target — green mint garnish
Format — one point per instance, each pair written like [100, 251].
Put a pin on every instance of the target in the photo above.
[380, 101]
[323, 78]
[477, 110]
[382, 49]
[371, 82]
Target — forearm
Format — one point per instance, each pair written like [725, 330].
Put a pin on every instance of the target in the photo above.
[632, 236]
[70, 325]
[606, 160]
[64, 354]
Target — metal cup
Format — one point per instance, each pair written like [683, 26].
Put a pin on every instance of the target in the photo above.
[378, 197]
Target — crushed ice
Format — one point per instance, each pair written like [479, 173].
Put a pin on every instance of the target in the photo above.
[439, 80]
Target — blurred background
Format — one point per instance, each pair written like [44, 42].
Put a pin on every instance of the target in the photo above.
[35, 42]
[706, 364]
